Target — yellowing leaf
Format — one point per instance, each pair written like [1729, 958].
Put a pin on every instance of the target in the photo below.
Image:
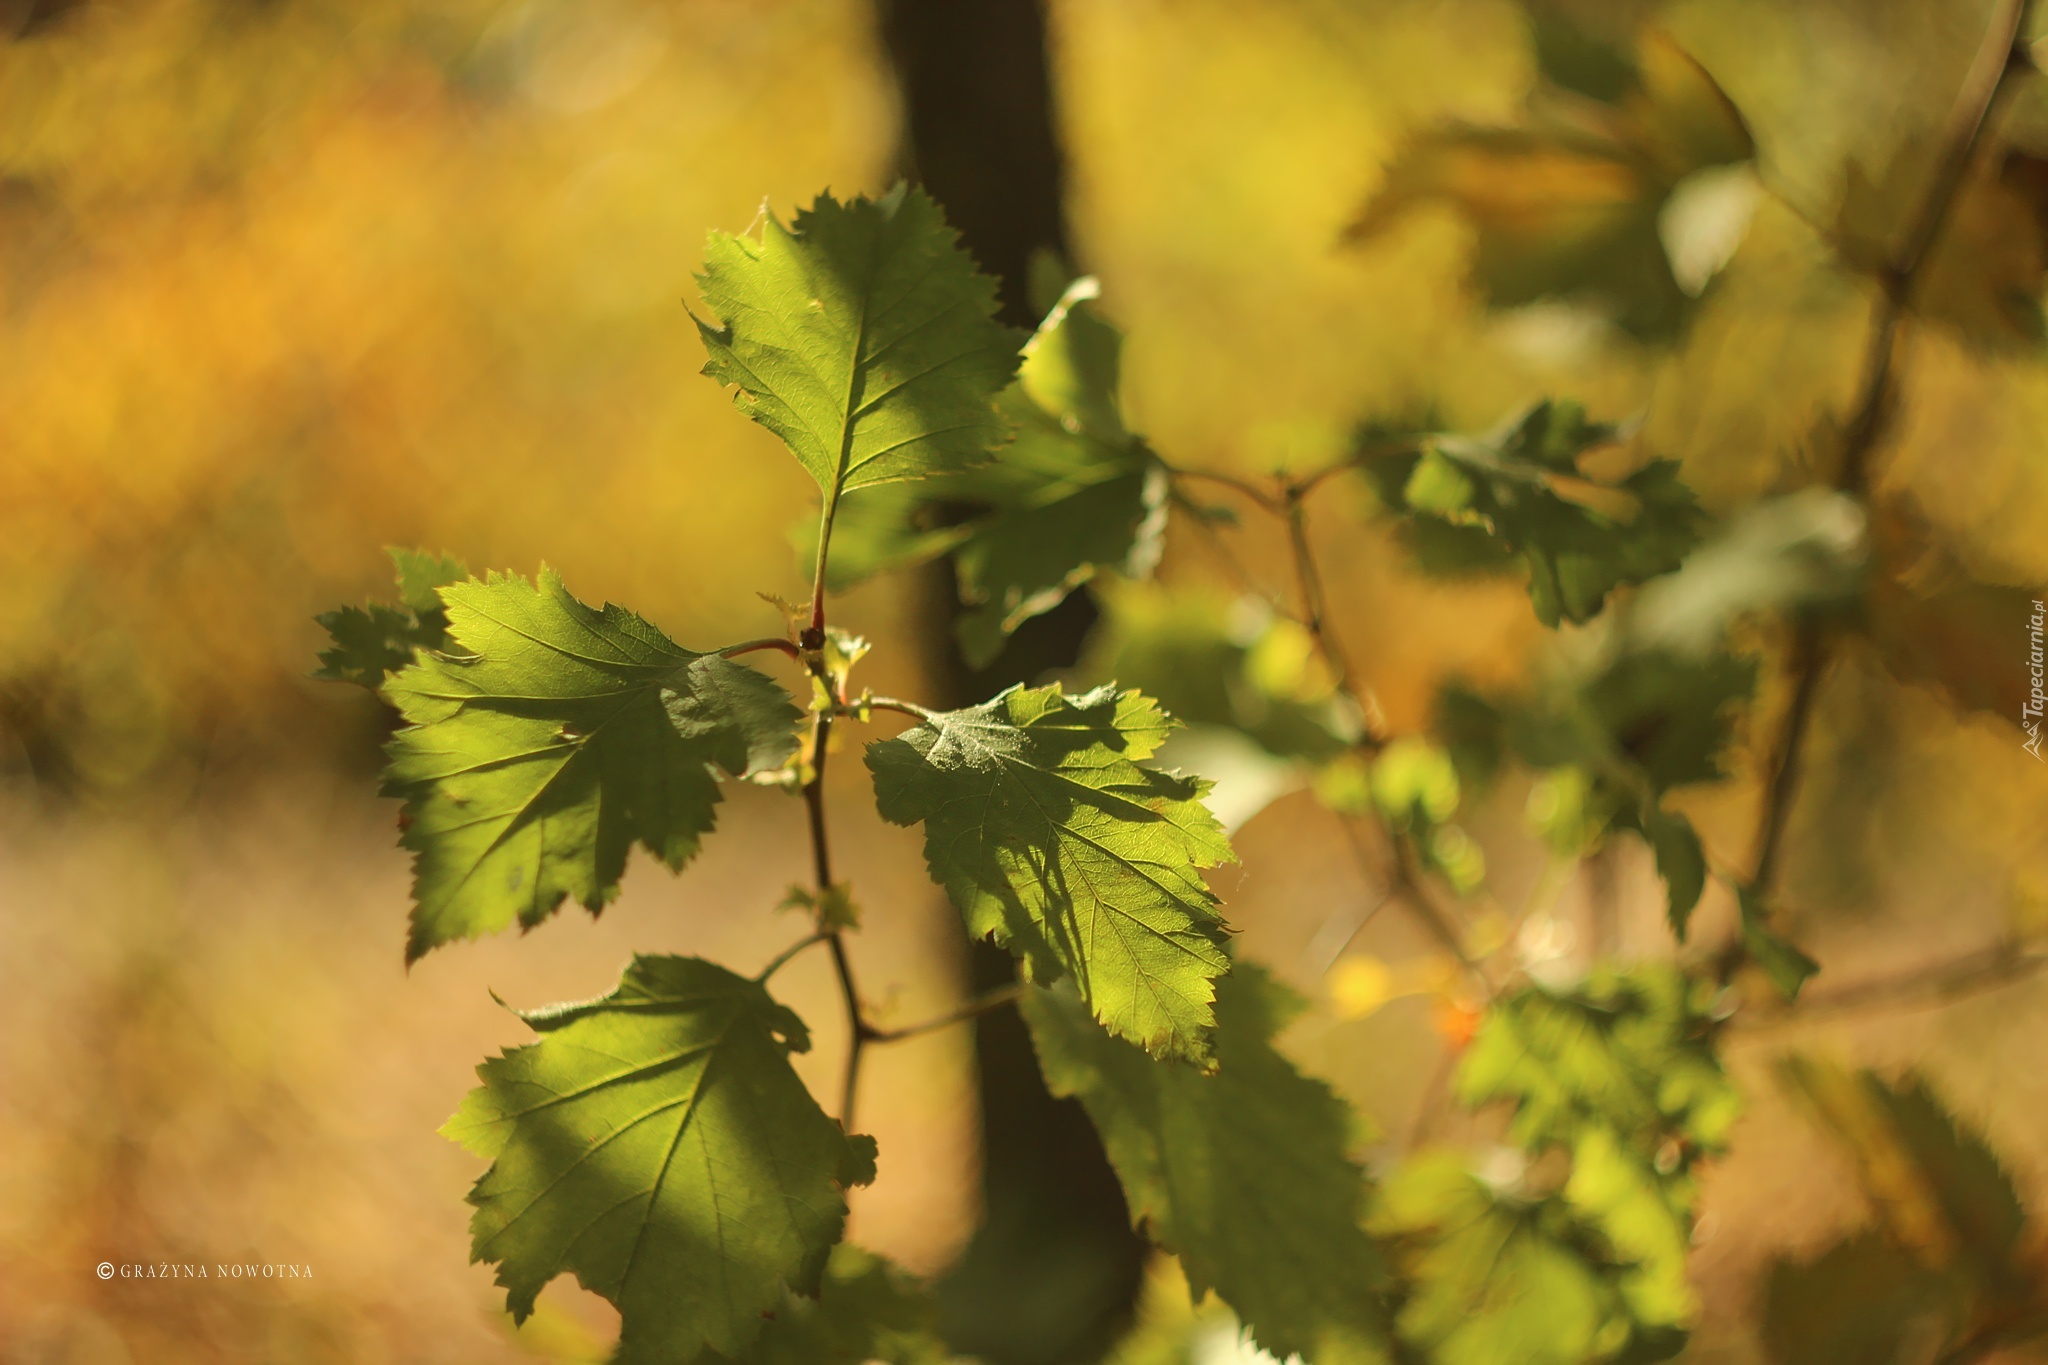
[1244, 1174]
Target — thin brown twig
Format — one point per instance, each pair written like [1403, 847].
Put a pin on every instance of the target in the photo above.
[1988, 969]
[750, 646]
[1382, 450]
[857, 1027]
[2000, 56]
[1234, 566]
[960, 1014]
[782, 959]
[1243, 487]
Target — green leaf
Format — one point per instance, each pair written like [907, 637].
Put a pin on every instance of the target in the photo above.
[1581, 205]
[1049, 835]
[1620, 1073]
[1510, 487]
[1857, 1303]
[657, 1144]
[867, 1310]
[862, 336]
[1938, 1189]
[1500, 1280]
[373, 641]
[1630, 1052]
[1681, 861]
[551, 737]
[1243, 1174]
[1074, 494]
[1787, 967]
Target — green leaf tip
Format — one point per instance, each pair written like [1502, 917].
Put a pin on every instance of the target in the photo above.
[1245, 1174]
[549, 738]
[1052, 838]
[656, 1144]
[372, 642]
[862, 335]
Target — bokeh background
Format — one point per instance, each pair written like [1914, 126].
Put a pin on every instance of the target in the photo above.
[282, 283]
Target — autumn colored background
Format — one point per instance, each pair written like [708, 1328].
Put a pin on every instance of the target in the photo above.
[283, 283]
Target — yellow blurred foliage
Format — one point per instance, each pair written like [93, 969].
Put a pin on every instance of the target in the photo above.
[289, 282]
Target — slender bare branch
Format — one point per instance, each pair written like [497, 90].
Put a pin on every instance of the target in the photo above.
[750, 646]
[2001, 56]
[971, 1009]
[1988, 969]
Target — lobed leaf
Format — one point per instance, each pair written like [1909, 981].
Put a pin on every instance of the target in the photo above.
[1243, 1174]
[1859, 1302]
[548, 740]
[1500, 498]
[863, 337]
[1074, 494]
[1622, 1075]
[1050, 836]
[657, 1144]
[1581, 208]
[374, 641]
[1495, 1279]
[1939, 1191]
[867, 1310]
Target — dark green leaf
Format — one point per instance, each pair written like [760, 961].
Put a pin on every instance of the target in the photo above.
[867, 1310]
[1787, 967]
[548, 740]
[1861, 1302]
[1243, 1174]
[1937, 1188]
[862, 336]
[1681, 861]
[1500, 1280]
[373, 641]
[657, 1144]
[1072, 495]
[1049, 835]
[1506, 486]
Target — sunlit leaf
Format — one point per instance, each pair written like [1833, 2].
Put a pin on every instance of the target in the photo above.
[657, 1144]
[862, 336]
[551, 737]
[1051, 837]
[1072, 495]
[1497, 1279]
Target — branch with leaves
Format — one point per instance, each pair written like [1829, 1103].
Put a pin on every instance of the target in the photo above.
[656, 1143]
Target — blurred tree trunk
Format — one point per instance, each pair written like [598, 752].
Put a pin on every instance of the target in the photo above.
[1053, 1273]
